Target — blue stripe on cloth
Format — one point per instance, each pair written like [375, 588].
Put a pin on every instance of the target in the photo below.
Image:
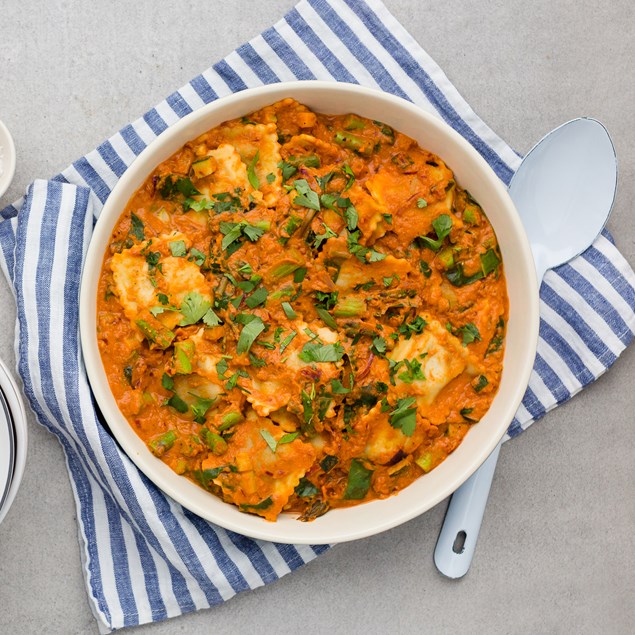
[151, 578]
[178, 104]
[155, 121]
[134, 141]
[287, 54]
[225, 563]
[611, 274]
[85, 496]
[515, 428]
[566, 352]
[344, 32]
[427, 86]
[592, 340]
[260, 68]
[290, 555]
[229, 76]
[122, 570]
[304, 31]
[596, 301]
[203, 89]
[253, 551]
[7, 243]
[533, 405]
[93, 180]
[551, 379]
[112, 159]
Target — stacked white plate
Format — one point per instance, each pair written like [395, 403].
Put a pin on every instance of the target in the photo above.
[13, 440]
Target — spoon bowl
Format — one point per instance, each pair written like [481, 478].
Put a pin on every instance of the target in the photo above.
[564, 191]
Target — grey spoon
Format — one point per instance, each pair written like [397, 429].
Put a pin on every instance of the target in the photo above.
[564, 191]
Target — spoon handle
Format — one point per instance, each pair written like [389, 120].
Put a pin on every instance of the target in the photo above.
[458, 536]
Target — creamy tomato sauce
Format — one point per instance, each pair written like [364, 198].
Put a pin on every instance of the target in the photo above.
[302, 311]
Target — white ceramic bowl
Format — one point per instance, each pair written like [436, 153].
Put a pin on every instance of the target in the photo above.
[474, 174]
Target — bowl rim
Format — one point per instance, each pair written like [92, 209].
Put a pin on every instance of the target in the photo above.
[359, 521]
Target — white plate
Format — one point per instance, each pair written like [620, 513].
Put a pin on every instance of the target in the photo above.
[7, 159]
[7, 451]
[17, 420]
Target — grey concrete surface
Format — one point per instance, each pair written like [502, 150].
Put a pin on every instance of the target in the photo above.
[556, 552]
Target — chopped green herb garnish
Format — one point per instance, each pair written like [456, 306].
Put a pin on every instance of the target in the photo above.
[470, 333]
[481, 383]
[321, 353]
[306, 196]
[288, 310]
[404, 416]
[442, 226]
[287, 340]
[178, 248]
[421, 203]
[251, 171]
[193, 308]
[259, 296]
[251, 330]
[358, 481]
[137, 227]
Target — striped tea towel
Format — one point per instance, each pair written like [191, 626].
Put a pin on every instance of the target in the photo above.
[145, 558]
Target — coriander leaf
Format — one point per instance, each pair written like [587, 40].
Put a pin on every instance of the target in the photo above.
[178, 404]
[421, 203]
[404, 416]
[259, 296]
[470, 333]
[442, 225]
[193, 308]
[200, 408]
[288, 170]
[321, 353]
[306, 196]
[167, 382]
[210, 318]
[271, 177]
[251, 171]
[251, 330]
[288, 438]
[358, 481]
[252, 232]
[137, 227]
[337, 388]
[196, 256]
[378, 346]
[351, 217]
[231, 233]
[412, 373]
[306, 489]
[481, 383]
[351, 177]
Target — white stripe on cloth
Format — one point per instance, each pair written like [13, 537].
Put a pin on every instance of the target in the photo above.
[144, 557]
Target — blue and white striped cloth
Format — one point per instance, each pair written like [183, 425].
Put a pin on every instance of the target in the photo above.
[145, 558]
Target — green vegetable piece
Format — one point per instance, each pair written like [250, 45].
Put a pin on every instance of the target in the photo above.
[287, 340]
[350, 307]
[229, 420]
[424, 267]
[158, 334]
[425, 461]
[284, 269]
[167, 382]
[469, 216]
[328, 463]
[269, 440]
[356, 143]
[203, 167]
[200, 408]
[183, 355]
[421, 203]
[161, 444]
[353, 123]
[481, 383]
[288, 170]
[178, 248]
[446, 257]
[265, 504]
[489, 262]
[288, 438]
[358, 481]
[327, 318]
[378, 346]
[352, 217]
[442, 226]
[178, 404]
[251, 171]
[288, 310]
[214, 442]
[251, 330]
